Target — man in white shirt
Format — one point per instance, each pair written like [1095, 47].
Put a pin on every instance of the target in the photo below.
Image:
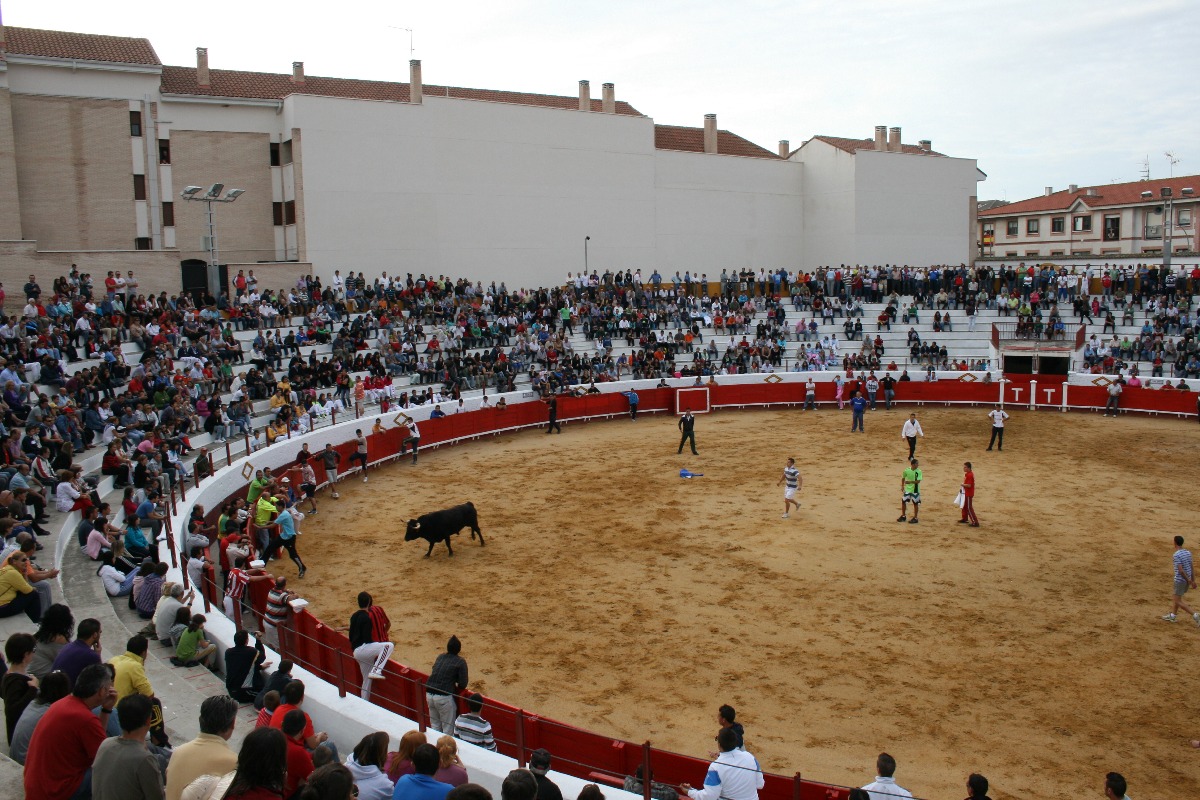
[997, 415]
[910, 431]
[735, 775]
[884, 787]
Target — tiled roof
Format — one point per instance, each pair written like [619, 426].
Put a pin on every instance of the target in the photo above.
[676, 137]
[1113, 194]
[81, 46]
[852, 145]
[273, 86]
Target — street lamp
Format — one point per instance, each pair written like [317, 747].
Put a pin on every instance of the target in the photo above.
[586, 239]
[212, 195]
[1168, 199]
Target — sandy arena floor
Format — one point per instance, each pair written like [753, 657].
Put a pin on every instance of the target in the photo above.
[615, 596]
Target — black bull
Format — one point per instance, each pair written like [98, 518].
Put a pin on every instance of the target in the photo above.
[441, 525]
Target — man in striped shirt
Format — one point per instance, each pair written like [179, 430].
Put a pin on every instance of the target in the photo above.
[472, 728]
[1184, 578]
[791, 477]
[237, 582]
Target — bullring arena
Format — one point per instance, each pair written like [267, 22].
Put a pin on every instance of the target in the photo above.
[615, 596]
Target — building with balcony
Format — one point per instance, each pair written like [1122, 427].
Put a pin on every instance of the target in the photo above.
[1120, 219]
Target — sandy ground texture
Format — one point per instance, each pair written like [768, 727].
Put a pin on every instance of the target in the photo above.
[616, 596]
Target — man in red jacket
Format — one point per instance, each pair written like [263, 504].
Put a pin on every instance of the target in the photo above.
[65, 741]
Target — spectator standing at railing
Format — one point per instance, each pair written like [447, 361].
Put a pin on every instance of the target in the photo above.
[472, 727]
[733, 775]
[447, 679]
[1114, 396]
[539, 765]
[884, 786]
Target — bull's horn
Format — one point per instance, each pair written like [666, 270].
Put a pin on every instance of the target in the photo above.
[416, 526]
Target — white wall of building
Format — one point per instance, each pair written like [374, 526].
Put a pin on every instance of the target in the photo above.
[462, 188]
[829, 209]
[717, 212]
[913, 209]
[79, 79]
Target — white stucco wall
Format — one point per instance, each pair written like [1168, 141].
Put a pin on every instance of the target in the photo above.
[829, 205]
[714, 212]
[485, 190]
[913, 209]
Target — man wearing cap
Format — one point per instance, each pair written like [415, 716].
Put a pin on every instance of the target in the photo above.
[447, 679]
[539, 765]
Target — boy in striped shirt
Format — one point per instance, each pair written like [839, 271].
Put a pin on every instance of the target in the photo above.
[1184, 578]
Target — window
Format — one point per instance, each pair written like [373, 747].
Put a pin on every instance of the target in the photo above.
[1082, 224]
[1012, 227]
[1081, 252]
[277, 213]
[1058, 225]
[1112, 227]
[141, 243]
[1033, 227]
[275, 154]
[168, 214]
[289, 212]
[1012, 254]
[989, 228]
[139, 187]
[1058, 252]
[285, 152]
[135, 124]
[1032, 253]
[1185, 218]
[164, 151]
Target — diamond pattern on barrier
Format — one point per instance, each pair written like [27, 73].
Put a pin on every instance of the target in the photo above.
[247, 470]
[772, 378]
[1102, 381]
[968, 377]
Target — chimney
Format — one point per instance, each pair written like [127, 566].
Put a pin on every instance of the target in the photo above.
[881, 137]
[202, 66]
[785, 148]
[1073, 188]
[710, 133]
[298, 72]
[893, 145]
[1049, 191]
[585, 96]
[609, 104]
[416, 90]
[926, 145]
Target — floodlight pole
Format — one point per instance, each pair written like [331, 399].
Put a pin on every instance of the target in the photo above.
[586, 239]
[213, 195]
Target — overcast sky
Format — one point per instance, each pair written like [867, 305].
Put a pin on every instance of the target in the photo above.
[1041, 92]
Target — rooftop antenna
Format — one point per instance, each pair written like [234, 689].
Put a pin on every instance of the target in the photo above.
[410, 38]
[1146, 168]
[1172, 160]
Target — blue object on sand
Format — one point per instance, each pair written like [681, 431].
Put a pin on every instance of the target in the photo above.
[683, 473]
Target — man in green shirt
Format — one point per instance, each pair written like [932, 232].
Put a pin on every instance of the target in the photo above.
[257, 486]
[910, 486]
